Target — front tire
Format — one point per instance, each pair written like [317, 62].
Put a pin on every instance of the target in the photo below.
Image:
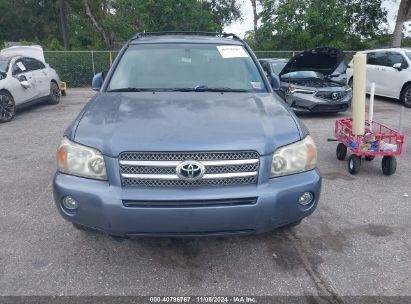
[354, 164]
[405, 96]
[341, 151]
[54, 93]
[7, 107]
[389, 165]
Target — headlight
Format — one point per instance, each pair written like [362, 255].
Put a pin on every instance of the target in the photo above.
[297, 157]
[76, 159]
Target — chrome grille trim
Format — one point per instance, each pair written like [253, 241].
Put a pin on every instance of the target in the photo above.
[159, 169]
[176, 163]
[174, 176]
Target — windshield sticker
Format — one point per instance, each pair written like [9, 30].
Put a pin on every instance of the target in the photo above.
[256, 85]
[21, 66]
[232, 51]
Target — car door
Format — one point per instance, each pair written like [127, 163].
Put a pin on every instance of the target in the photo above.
[21, 73]
[395, 77]
[40, 74]
[376, 63]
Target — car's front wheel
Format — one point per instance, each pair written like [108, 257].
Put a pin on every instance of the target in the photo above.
[405, 96]
[7, 107]
[54, 93]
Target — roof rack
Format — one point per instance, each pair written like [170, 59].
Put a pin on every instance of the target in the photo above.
[211, 34]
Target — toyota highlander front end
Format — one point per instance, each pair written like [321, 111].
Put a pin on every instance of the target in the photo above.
[186, 138]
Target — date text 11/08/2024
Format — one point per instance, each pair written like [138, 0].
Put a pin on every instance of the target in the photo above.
[205, 299]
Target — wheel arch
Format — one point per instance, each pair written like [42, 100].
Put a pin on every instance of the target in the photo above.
[404, 86]
[8, 92]
[55, 81]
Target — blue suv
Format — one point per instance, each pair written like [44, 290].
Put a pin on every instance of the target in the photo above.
[186, 137]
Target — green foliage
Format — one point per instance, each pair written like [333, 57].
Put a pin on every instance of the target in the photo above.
[161, 15]
[302, 24]
[109, 20]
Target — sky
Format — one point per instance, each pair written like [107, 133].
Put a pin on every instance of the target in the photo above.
[241, 27]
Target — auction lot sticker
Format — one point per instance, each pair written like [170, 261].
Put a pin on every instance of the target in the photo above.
[232, 51]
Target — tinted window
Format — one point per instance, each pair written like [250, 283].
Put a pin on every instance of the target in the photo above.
[33, 64]
[394, 58]
[186, 66]
[377, 58]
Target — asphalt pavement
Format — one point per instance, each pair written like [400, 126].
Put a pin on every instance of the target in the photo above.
[358, 241]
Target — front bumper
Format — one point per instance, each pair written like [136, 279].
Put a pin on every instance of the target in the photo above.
[105, 207]
[311, 103]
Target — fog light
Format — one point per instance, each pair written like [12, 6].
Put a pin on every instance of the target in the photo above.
[306, 198]
[70, 203]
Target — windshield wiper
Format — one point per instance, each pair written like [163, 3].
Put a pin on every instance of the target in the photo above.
[199, 88]
[136, 90]
[204, 88]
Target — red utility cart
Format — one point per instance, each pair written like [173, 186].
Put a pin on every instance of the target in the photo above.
[378, 140]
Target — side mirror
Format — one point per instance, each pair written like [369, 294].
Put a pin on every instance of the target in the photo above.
[97, 82]
[397, 66]
[25, 84]
[275, 82]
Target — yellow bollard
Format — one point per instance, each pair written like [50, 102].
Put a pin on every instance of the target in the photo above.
[111, 59]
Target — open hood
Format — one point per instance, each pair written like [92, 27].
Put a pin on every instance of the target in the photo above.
[322, 59]
[34, 51]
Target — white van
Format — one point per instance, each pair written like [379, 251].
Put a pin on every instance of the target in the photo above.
[390, 69]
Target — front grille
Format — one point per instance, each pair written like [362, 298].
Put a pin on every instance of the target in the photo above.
[159, 169]
[331, 96]
[329, 108]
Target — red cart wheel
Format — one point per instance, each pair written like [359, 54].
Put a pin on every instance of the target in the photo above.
[389, 165]
[354, 164]
[369, 157]
[341, 151]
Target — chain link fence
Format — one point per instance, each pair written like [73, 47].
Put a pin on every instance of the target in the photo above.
[77, 68]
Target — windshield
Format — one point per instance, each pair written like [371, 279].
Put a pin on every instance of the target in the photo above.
[303, 74]
[408, 55]
[197, 67]
[278, 67]
[4, 64]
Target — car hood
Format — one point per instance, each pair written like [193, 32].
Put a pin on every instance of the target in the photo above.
[322, 59]
[176, 121]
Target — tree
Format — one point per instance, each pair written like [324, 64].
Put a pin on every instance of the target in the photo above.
[224, 11]
[99, 17]
[63, 21]
[302, 24]
[404, 12]
[79, 24]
